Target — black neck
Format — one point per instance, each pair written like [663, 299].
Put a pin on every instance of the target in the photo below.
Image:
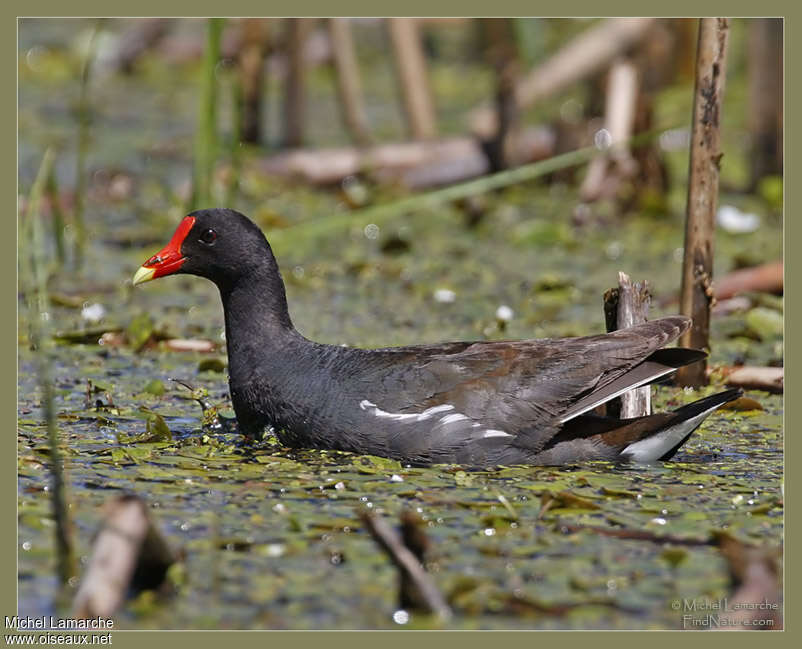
[257, 319]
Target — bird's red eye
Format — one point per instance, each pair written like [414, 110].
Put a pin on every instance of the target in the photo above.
[208, 236]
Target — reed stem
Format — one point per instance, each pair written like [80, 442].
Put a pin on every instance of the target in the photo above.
[38, 316]
[206, 138]
[84, 113]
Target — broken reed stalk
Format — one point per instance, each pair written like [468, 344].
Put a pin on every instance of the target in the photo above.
[235, 159]
[206, 137]
[414, 578]
[696, 295]
[294, 116]
[634, 535]
[588, 53]
[502, 54]
[58, 214]
[252, 78]
[624, 307]
[39, 335]
[621, 98]
[84, 111]
[413, 82]
[349, 88]
[765, 97]
[755, 575]
[415, 540]
[438, 197]
[128, 554]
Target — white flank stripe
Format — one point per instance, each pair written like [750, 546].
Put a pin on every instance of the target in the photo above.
[449, 419]
[491, 432]
[400, 416]
[432, 411]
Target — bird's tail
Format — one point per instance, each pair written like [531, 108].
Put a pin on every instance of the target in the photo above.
[665, 442]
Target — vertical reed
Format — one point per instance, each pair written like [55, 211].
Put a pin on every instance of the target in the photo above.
[84, 113]
[696, 295]
[235, 159]
[37, 297]
[58, 215]
[206, 136]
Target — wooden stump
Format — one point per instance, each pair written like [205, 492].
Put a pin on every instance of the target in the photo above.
[624, 307]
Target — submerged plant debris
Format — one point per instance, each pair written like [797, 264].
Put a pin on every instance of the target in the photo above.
[271, 537]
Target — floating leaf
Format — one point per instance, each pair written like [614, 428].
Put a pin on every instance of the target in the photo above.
[212, 365]
[154, 387]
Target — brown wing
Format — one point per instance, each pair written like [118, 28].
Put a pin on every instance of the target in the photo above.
[524, 388]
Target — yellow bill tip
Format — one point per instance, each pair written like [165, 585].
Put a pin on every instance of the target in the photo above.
[144, 274]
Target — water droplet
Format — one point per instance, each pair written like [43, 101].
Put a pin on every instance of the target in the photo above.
[504, 313]
[444, 296]
[571, 111]
[400, 616]
[33, 57]
[489, 531]
[274, 549]
[613, 250]
[93, 312]
[26, 545]
[675, 139]
[602, 139]
[372, 231]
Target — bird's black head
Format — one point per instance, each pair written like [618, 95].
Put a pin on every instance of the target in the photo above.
[219, 244]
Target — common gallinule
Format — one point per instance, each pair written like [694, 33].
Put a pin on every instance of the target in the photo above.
[473, 403]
